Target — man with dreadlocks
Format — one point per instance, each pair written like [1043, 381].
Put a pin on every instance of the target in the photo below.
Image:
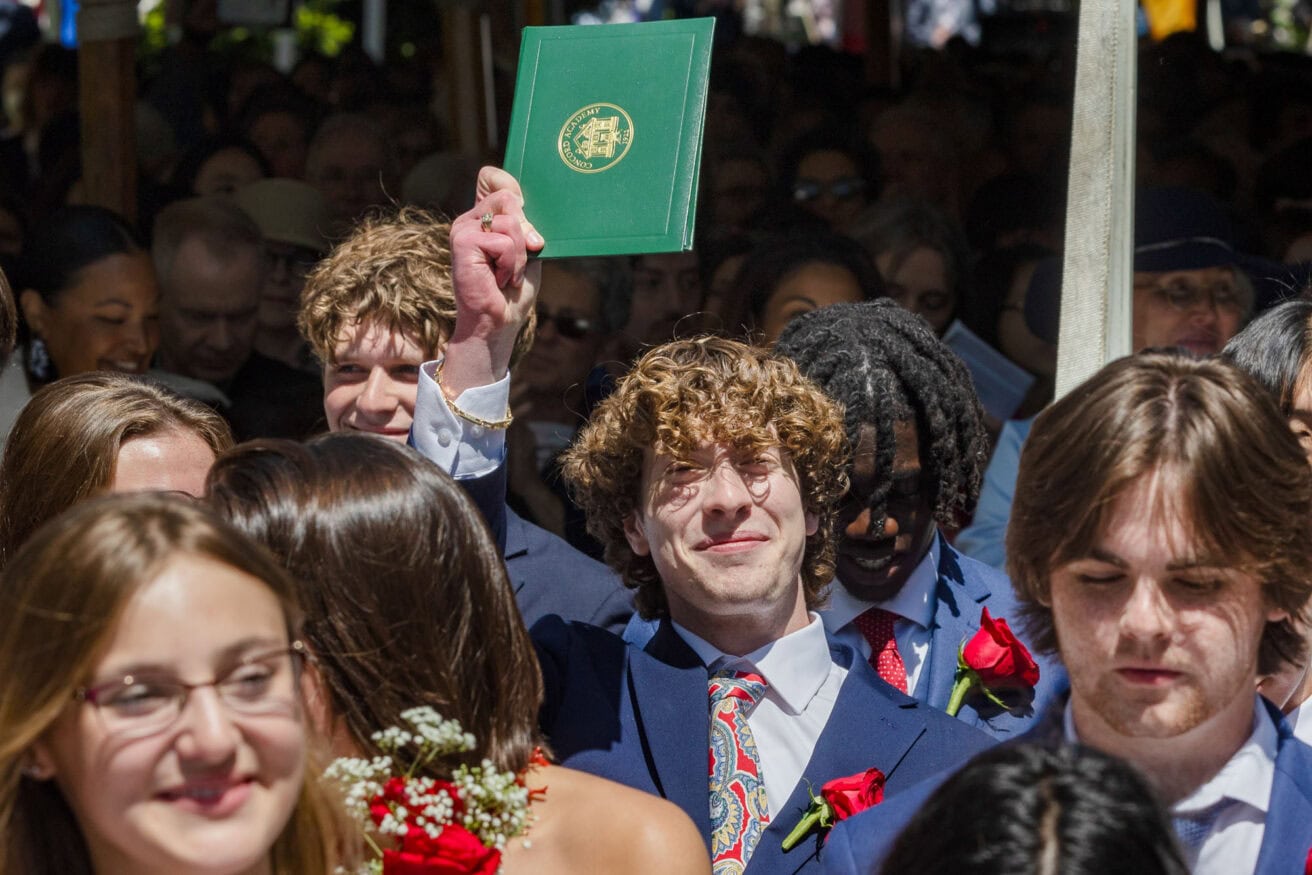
[907, 600]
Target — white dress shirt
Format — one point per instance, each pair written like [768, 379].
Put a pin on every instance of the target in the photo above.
[914, 606]
[1246, 780]
[802, 683]
[459, 447]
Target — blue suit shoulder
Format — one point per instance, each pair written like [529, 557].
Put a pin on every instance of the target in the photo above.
[1287, 833]
[551, 577]
[548, 575]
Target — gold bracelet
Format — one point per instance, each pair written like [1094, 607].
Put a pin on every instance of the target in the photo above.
[469, 417]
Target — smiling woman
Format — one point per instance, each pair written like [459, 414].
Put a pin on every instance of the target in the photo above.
[89, 302]
[150, 714]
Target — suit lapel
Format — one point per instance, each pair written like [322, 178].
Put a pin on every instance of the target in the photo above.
[516, 545]
[868, 728]
[1287, 833]
[670, 703]
[956, 618]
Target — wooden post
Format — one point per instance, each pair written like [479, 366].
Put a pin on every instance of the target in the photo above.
[464, 66]
[883, 37]
[107, 31]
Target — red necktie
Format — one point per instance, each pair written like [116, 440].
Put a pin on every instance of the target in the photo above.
[876, 625]
[739, 809]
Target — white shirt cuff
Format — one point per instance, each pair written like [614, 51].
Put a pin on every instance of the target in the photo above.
[461, 448]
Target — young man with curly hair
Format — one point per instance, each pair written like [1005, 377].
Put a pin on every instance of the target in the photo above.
[903, 596]
[1161, 545]
[380, 305]
[710, 475]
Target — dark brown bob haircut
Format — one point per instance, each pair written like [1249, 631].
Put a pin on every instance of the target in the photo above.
[406, 598]
[689, 393]
[1246, 488]
[64, 445]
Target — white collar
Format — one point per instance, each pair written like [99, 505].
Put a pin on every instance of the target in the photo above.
[1246, 777]
[794, 666]
[914, 601]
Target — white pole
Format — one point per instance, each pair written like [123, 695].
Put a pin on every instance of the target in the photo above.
[1097, 270]
[374, 30]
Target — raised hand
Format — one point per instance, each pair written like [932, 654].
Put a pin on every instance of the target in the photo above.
[495, 282]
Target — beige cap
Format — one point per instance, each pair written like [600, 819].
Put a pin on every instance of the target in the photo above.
[287, 211]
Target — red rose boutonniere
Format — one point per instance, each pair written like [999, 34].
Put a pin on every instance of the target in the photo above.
[1307, 867]
[838, 800]
[992, 661]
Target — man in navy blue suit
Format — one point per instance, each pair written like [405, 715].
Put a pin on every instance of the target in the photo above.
[1161, 541]
[711, 476]
[913, 419]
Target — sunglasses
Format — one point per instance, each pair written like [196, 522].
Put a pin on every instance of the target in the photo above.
[840, 189]
[567, 324]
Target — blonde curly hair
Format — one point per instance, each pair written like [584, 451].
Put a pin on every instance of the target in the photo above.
[689, 393]
[394, 271]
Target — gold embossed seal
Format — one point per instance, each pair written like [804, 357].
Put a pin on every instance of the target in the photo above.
[595, 138]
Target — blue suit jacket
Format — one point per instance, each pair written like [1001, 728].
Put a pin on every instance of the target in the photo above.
[965, 588]
[858, 846]
[548, 575]
[640, 717]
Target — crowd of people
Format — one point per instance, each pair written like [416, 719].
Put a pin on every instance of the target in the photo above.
[317, 504]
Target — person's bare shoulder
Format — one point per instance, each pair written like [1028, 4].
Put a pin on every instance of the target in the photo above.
[590, 825]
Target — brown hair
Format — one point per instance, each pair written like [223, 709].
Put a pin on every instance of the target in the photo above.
[60, 598]
[688, 393]
[8, 318]
[65, 443]
[406, 596]
[1246, 489]
[394, 271]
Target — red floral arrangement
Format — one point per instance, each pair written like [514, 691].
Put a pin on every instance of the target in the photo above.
[432, 826]
[839, 799]
[992, 662]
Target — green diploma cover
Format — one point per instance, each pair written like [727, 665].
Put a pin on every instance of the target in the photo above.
[606, 134]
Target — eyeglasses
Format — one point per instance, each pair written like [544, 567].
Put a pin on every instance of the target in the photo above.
[137, 706]
[840, 189]
[1224, 296]
[567, 324]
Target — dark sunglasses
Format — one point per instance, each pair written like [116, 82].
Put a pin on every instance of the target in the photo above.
[567, 325]
[841, 189]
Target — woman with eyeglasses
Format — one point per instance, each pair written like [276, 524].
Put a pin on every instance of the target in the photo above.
[96, 433]
[408, 604]
[830, 176]
[150, 701]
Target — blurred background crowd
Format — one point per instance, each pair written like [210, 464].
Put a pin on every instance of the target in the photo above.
[932, 173]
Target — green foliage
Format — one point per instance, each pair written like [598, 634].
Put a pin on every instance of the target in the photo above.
[318, 30]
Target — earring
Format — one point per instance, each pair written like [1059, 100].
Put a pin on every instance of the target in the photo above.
[34, 772]
[38, 359]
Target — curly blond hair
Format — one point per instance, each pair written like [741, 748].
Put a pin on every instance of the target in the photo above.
[689, 393]
[394, 271]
